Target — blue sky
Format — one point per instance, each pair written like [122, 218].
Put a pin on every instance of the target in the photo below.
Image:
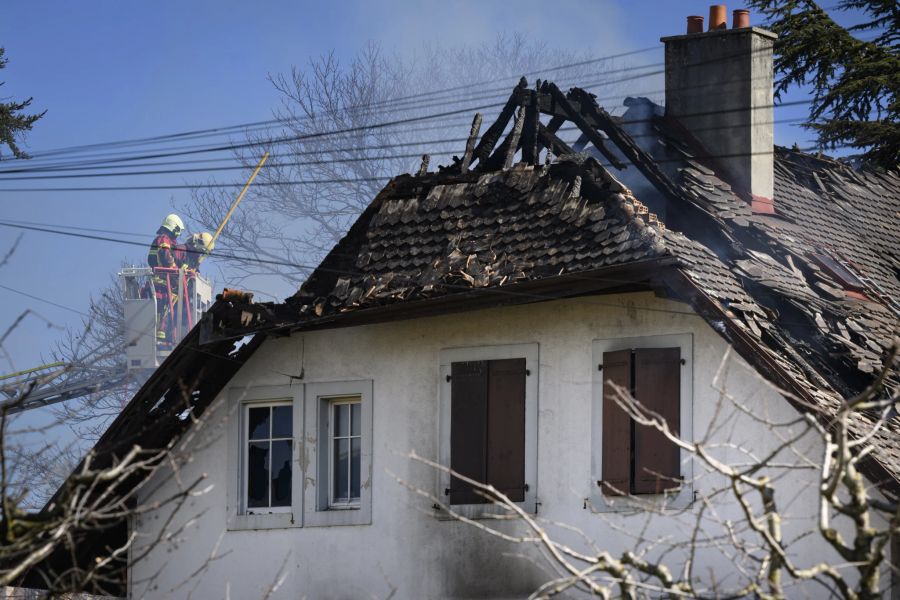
[110, 70]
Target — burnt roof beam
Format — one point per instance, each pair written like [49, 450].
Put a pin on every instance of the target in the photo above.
[530, 148]
[470, 143]
[596, 116]
[573, 113]
[549, 139]
[489, 139]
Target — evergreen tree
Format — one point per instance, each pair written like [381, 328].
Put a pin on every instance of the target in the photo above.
[855, 81]
[13, 122]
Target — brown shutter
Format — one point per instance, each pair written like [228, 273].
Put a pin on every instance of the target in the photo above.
[506, 427]
[468, 428]
[657, 386]
[616, 425]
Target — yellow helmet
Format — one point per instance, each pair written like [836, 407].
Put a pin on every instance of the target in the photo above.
[174, 224]
[204, 241]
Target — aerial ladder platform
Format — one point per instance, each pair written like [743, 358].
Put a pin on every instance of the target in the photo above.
[188, 295]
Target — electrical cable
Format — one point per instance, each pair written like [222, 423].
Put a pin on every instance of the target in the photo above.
[392, 102]
[432, 154]
[631, 77]
[119, 188]
[386, 146]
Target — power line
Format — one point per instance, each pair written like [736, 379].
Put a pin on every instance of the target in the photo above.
[309, 136]
[352, 149]
[628, 78]
[39, 299]
[324, 181]
[240, 167]
[393, 105]
[390, 102]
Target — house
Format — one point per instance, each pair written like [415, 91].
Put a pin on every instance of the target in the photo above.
[474, 316]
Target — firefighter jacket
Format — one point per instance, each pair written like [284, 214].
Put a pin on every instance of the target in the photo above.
[164, 251]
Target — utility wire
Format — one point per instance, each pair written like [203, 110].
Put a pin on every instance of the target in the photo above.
[324, 181]
[628, 78]
[389, 102]
[382, 146]
[351, 159]
[393, 105]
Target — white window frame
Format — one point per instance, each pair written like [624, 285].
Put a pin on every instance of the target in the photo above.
[245, 439]
[239, 516]
[531, 353]
[676, 499]
[350, 400]
[319, 511]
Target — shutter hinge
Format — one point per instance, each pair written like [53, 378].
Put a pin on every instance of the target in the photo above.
[527, 372]
[446, 491]
[448, 378]
[599, 367]
[525, 487]
[683, 361]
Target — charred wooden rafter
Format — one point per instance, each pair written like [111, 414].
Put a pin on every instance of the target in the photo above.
[530, 129]
[573, 114]
[470, 143]
[489, 139]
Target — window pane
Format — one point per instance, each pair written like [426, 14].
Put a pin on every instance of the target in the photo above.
[354, 468]
[282, 426]
[341, 464]
[258, 423]
[281, 473]
[258, 474]
[355, 412]
[341, 419]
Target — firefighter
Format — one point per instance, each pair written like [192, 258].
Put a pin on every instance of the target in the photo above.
[165, 253]
[198, 247]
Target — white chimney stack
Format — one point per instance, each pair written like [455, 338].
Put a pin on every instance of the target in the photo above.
[719, 87]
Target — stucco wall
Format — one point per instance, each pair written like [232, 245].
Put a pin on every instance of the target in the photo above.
[406, 549]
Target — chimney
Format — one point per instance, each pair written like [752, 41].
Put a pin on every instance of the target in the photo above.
[719, 87]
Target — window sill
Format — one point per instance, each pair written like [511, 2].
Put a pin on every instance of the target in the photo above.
[338, 517]
[481, 511]
[274, 520]
[667, 502]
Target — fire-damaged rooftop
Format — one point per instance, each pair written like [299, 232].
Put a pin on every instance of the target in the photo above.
[805, 287]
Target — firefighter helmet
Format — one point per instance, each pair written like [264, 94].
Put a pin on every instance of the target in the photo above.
[204, 241]
[174, 224]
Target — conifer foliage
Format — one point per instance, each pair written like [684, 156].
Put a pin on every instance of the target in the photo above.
[13, 122]
[854, 71]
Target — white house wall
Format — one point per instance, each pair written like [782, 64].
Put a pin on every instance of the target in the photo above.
[406, 550]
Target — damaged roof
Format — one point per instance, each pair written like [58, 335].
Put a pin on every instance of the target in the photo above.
[808, 295]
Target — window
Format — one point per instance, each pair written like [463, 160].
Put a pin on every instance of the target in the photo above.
[338, 449]
[630, 458]
[268, 457]
[263, 467]
[344, 443]
[489, 424]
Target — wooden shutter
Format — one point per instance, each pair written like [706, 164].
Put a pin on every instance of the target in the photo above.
[616, 468]
[657, 385]
[506, 427]
[468, 428]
